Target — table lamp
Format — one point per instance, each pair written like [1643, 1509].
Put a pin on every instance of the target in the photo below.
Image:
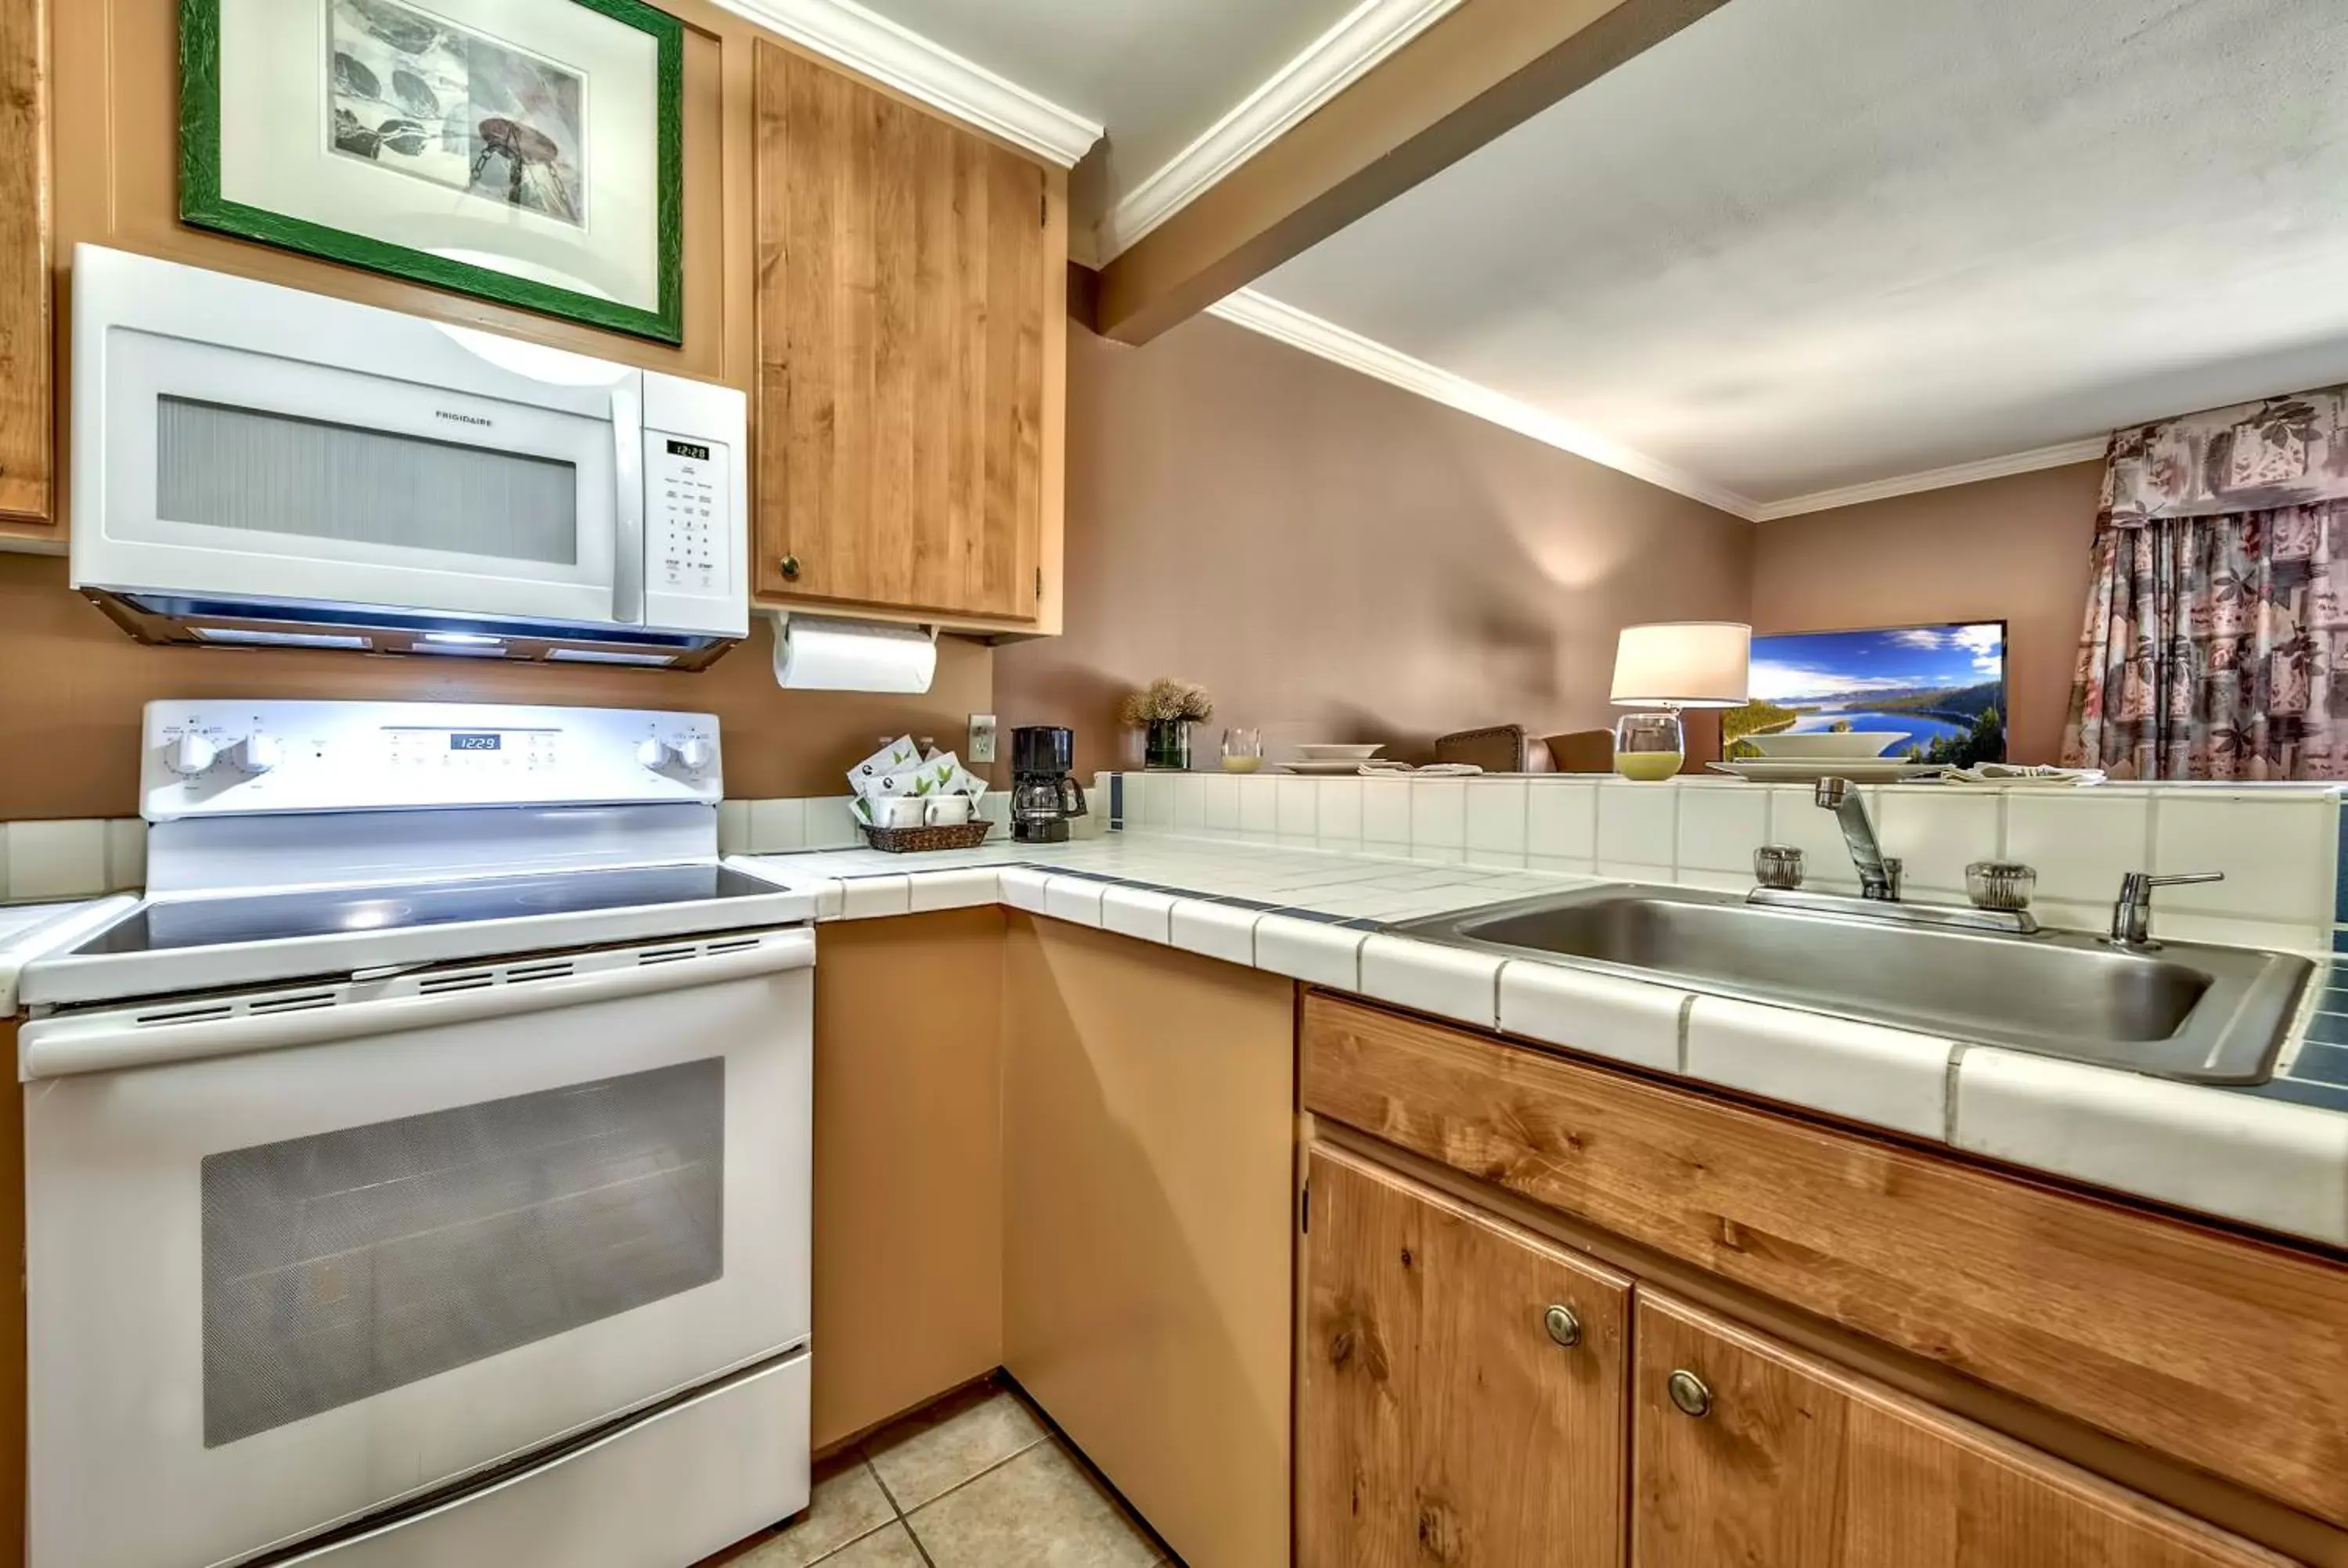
[1667, 666]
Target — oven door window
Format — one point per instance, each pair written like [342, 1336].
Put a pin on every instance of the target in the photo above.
[341, 1265]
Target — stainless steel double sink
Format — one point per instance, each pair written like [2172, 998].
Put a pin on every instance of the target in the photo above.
[2187, 1011]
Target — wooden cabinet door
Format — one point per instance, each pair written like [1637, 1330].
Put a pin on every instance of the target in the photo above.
[24, 412]
[1439, 1420]
[1793, 1463]
[903, 276]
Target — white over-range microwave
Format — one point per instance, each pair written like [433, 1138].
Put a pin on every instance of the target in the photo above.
[256, 465]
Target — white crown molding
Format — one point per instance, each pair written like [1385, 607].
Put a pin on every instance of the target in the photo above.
[1262, 314]
[2028, 462]
[1330, 64]
[865, 41]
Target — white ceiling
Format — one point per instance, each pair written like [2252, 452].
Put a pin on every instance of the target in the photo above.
[1811, 244]
[1157, 73]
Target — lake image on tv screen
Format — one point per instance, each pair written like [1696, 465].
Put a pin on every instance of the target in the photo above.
[1934, 694]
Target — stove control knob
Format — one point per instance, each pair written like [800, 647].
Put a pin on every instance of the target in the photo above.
[695, 754]
[654, 753]
[257, 753]
[191, 753]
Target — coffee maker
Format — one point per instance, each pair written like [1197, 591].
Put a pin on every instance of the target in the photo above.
[1044, 796]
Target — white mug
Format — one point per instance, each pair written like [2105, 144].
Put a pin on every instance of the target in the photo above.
[895, 810]
[947, 810]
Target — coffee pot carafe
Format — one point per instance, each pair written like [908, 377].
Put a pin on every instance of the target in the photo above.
[1043, 794]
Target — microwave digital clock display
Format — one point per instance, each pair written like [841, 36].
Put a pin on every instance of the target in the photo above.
[689, 449]
[461, 741]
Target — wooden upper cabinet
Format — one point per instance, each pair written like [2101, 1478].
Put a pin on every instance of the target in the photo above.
[907, 273]
[1439, 1418]
[26, 488]
[1770, 1460]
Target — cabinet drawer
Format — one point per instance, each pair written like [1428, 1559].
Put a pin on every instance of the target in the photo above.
[1758, 1454]
[2222, 1352]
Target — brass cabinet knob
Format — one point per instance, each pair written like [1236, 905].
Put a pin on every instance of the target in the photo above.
[791, 568]
[1563, 1326]
[1688, 1393]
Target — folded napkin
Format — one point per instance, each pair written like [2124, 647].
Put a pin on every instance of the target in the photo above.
[2010, 774]
[1377, 765]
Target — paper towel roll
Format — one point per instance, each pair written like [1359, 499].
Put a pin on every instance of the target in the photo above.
[824, 653]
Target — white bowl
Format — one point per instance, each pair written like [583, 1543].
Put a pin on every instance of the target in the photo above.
[1323, 752]
[1821, 745]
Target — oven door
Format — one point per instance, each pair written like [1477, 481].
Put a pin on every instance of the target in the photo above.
[272, 1290]
[224, 472]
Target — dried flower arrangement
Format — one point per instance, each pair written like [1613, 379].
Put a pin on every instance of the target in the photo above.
[1167, 702]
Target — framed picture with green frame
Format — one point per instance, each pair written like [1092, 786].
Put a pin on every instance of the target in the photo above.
[526, 151]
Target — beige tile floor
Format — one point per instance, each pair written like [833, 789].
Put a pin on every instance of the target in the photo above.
[976, 1480]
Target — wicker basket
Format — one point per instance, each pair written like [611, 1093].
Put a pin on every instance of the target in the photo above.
[914, 840]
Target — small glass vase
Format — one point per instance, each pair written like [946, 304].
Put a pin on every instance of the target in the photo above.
[1649, 747]
[1168, 746]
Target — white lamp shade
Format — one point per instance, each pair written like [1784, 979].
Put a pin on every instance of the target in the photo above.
[1683, 664]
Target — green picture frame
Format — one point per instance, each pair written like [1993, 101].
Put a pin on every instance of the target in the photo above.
[203, 205]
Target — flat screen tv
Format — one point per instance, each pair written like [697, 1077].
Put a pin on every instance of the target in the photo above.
[1941, 689]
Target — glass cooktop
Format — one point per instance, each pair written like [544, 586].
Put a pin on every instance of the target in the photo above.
[282, 917]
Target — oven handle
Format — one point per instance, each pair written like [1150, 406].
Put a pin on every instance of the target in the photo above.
[112, 1040]
[628, 500]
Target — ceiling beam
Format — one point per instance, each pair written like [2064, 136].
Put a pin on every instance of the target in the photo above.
[1487, 68]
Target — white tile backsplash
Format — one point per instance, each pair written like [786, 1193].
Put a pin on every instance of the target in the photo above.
[1638, 829]
[1259, 807]
[1936, 834]
[2278, 854]
[777, 826]
[1340, 817]
[1297, 817]
[1187, 797]
[1220, 800]
[1386, 812]
[1796, 818]
[2081, 842]
[1495, 821]
[1562, 819]
[1720, 828]
[56, 859]
[1438, 817]
[829, 824]
[126, 854]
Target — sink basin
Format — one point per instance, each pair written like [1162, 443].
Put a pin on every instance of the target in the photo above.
[2191, 1011]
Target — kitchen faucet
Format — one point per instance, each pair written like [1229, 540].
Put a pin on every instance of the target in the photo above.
[1878, 874]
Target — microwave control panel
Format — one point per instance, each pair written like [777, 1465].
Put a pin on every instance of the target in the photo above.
[689, 520]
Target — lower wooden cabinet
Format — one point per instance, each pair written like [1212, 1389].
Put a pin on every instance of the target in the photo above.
[1749, 1454]
[1440, 1420]
[1461, 1385]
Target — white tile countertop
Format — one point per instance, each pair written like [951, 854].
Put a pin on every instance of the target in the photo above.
[26, 929]
[2275, 1156]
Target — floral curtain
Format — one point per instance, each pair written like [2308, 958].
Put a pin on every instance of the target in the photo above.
[2216, 638]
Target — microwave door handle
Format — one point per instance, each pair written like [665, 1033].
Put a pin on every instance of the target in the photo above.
[628, 509]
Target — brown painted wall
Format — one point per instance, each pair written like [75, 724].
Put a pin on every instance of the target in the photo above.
[1337, 558]
[71, 687]
[2014, 549]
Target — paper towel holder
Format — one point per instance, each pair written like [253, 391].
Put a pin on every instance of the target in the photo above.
[782, 619]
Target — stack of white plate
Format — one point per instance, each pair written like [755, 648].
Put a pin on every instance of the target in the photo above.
[1853, 754]
[1323, 758]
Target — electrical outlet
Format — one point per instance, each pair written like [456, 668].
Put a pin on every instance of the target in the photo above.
[982, 738]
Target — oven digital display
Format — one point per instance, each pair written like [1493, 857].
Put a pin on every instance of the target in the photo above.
[689, 449]
[461, 741]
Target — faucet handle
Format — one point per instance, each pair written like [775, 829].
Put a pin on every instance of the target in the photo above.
[2131, 912]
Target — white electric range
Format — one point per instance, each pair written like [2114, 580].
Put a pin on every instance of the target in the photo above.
[419, 1173]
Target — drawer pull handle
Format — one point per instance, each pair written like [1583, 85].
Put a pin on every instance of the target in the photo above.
[1563, 1326]
[1688, 1393]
